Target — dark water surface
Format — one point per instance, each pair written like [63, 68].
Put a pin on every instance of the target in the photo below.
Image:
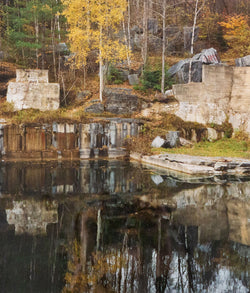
[113, 226]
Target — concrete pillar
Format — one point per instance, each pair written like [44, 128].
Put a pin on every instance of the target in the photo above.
[84, 141]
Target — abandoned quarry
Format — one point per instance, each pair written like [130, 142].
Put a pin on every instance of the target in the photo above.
[124, 146]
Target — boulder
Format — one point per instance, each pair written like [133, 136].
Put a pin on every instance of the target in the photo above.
[157, 179]
[211, 134]
[244, 61]
[180, 70]
[196, 72]
[158, 142]
[95, 108]
[207, 56]
[133, 79]
[173, 139]
[176, 67]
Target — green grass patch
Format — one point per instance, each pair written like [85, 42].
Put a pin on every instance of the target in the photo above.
[226, 147]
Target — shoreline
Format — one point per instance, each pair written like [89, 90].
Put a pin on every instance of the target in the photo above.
[197, 165]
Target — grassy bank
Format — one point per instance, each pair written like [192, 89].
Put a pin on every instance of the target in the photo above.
[226, 147]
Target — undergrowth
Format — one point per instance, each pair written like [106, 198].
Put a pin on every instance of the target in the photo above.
[226, 147]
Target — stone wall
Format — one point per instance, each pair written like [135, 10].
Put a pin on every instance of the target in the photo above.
[224, 93]
[32, 90]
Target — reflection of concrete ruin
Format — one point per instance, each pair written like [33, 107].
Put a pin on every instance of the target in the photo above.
[33, 90]
[87, 177]
[67, 141]
[150, 251]
[31, 216]
[130, 233]
[219, 212]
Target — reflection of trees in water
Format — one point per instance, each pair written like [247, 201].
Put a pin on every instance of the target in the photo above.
[144, 252]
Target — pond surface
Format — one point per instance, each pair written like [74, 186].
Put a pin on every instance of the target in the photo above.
[114, 226]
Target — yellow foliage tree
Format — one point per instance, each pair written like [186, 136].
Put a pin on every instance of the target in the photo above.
[237, 34]
[92, 26]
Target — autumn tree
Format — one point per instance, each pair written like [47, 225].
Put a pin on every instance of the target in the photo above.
[93, 26]
[237, 34]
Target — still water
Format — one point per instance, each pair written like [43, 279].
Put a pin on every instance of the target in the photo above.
[114, 226]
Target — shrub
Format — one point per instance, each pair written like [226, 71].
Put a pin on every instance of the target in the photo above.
[151, 79]
[114, 75]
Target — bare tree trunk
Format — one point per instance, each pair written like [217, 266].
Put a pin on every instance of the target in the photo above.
[145, 32]
[101, 67]
[53, 47]
[192, 42]
[59, 38]
[129, 20]
[194, 25]
[163, 47]
[37, 35]
[126, 42]
[99, 229]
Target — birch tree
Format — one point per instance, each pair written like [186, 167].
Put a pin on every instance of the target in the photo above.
[196, 12]
[92, 26]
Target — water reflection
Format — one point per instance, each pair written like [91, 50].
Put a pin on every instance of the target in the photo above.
[113, 226]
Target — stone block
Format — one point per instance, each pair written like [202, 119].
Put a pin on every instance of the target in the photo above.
[173, 138]
[133, 79]
[158, 142]
[32, 90]
[32, 75]
[244, 61]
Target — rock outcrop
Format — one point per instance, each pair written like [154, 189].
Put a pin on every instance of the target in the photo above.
[120, 101]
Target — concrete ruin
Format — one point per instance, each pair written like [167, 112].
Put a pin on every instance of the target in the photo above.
[33, 90]
[224, 93]
[57, 141]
